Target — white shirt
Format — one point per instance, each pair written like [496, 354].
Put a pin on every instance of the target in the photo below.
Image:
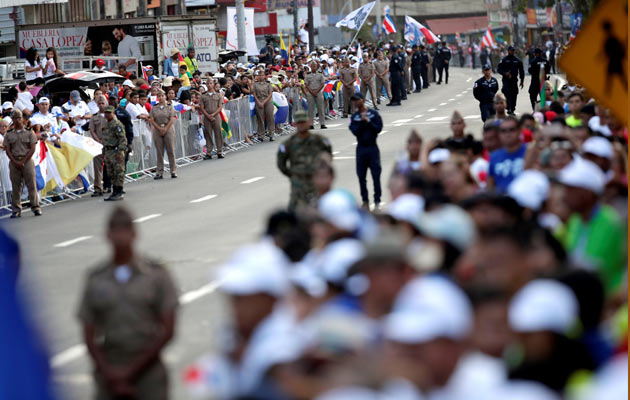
[129, 47]
[51, 70]
[77, 110]
[40, 119]
[93, 107]
[135, 109]
[24, 101]
[32, 75]
[303, 36]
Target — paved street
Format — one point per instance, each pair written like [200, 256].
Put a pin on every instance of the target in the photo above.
[195, 222]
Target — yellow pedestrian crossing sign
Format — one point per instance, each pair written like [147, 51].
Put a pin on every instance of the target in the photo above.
[597, 58]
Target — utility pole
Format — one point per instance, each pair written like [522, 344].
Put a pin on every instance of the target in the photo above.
[378, 18]
[240, 25]
[311, 28]
[163, 9]
[295, 19]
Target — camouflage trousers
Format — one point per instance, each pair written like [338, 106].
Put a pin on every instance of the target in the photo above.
[115, 164]
[303, 194]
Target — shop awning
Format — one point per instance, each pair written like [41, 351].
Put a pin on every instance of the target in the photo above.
[447, 26]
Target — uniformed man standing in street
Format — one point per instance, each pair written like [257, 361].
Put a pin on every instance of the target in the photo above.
[395, 73]
[366, 73]
[381, 67]
[263, 93]
[97, 124]
[484, 90]
[114, 147]
[366, 124]
[424, 67]
[348, 77]
[538, 63]
[404, 75]
[298, 158]
[511, 68]
[438, 64]
[211, 106]
[445, 58]
[127, 313]
[313, 85]
[416, 68]
[19, 145]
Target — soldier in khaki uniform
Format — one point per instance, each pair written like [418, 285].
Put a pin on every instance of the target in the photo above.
[97, 124]
[348, 77]
[381, 66]
[127, 313]
[313, 86]
[366, 73]
[264, 106]
[298, 158]
[20, 146]
[211, 106]
[162, 117]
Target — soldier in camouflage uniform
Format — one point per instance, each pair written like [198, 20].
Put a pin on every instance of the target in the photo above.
[298, 158]
[114, 145]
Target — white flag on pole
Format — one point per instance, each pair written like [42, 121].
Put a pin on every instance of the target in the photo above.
[232, 32]
[356, 18]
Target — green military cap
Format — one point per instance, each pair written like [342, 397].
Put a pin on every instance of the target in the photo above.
[300, 116]
[110, 109]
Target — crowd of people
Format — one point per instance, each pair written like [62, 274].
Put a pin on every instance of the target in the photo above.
[497, 271]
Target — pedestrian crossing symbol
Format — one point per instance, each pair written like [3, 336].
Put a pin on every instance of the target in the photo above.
[597, 58]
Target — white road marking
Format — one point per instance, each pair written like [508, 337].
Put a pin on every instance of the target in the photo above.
[193, 295]
[458, 95]
[204, 198]
[68, 355]
[148, 217]
[354, 144]
[336, 152]
[333, 125]
[436, 119]
[344, 158]
[469, 79]
[471, 117]
[73, 241]
[451, 99]
[252, 180]
[431, 109]
[77, 351]
[419, 116]
[442, 104]
[399, 121]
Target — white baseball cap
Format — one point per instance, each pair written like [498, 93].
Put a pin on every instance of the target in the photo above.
[530, 189]
[583, 174]
[599, 146]
[259, 268]
[330, 61]
[43, 100]
[7, 105]
[407, 207]
[339, 208]
[127, 82]
[427, 308]
[448, 223]
[439, 155]
[544, 305]
[337, 258]
[304, 276]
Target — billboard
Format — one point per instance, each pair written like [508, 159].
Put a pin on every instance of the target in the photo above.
[203, 40]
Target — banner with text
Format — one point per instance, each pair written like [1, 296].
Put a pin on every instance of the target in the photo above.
[205, 41]
[231, 42]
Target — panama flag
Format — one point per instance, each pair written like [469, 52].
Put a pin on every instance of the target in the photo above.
[411, 24]
[488, 39]
[252, 105]
[356, 18]
[388, 22]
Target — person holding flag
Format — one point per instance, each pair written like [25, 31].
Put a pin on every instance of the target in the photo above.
[286, 55]
[511, 68]
[538, 69]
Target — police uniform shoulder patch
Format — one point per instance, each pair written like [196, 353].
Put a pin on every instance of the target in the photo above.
[119, 128]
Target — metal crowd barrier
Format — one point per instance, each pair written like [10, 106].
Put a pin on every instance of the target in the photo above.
[143, 158]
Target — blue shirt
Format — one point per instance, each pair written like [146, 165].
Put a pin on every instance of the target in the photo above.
[504, 167]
